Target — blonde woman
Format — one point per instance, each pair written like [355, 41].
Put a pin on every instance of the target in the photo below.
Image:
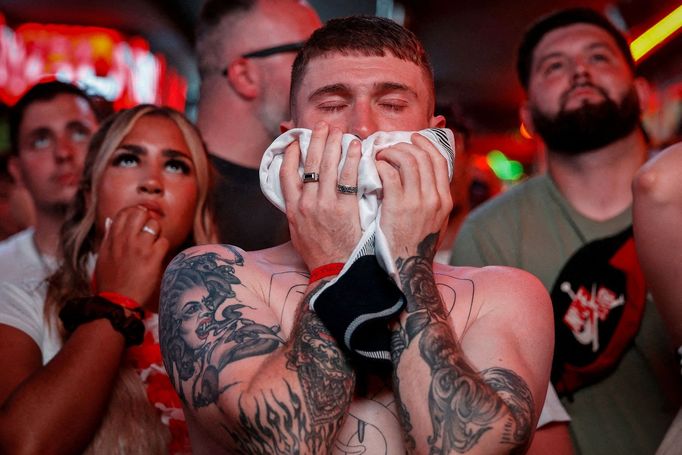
[80, 362]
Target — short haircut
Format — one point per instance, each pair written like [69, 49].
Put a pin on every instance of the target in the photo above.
[559, 19]
[364, 35]
[41, 92]
[209, 33]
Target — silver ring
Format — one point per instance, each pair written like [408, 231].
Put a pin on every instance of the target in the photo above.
[311, 177]
[346, 189]
[149, 230]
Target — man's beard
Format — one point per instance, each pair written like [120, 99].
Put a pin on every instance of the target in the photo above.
[591, 126]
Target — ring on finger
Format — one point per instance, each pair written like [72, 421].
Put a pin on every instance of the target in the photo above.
[346, 189]
[149, 230]
[311, 177]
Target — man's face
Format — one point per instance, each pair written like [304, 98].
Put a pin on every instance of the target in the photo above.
[279, 23]
[581, 92]
[53, 140]
[363, 94]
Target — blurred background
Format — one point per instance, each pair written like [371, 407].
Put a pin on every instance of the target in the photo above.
[132, 51]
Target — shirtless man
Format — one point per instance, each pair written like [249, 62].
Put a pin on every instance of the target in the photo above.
[259, 372]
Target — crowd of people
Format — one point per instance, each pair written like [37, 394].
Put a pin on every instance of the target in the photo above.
[157, 301]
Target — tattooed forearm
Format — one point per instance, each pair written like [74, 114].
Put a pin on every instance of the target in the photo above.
[464, 405]
[324, 373]
[307, 422]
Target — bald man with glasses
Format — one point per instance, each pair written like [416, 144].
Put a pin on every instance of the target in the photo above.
[245, 50]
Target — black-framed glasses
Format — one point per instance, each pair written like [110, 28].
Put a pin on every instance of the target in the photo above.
[281, 49]
[268, 51]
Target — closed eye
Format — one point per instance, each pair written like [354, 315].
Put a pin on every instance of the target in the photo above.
[332, 107]
[393, 106]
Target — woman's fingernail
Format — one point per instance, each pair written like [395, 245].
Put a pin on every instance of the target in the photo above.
[107, 223]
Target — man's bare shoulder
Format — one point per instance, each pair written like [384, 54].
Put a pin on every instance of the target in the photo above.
[253, 266]
[495, 286]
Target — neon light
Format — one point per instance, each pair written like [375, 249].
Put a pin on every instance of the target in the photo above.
[503, 167]
[524, 131]
[121, 69]
[656, 34]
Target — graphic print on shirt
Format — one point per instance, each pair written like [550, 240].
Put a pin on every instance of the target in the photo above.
[598, 301]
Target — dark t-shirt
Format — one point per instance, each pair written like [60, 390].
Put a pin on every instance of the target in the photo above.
[244, 216]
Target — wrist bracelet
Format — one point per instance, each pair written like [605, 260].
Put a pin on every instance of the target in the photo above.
[83, 310]
[324, 271]
[120, 299]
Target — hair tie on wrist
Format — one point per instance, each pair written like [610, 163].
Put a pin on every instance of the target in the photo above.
[87, 309]
[326, 270]
[120, 299]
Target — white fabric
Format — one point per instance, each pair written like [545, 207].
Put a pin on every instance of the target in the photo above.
[19, 260]
[373, 240]
[553, 410]
[21, 307]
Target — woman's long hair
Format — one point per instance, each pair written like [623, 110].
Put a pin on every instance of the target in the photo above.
[131, 424]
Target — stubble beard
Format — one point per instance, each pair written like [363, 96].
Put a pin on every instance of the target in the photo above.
[272, 112]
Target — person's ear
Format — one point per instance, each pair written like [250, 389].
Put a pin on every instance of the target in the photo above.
[643, 90]
[286, 126]
[15, 171]
[243, 78]
[437, 121]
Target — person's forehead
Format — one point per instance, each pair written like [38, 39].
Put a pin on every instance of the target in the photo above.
[573, 37]
[362, 71]
[63, 108]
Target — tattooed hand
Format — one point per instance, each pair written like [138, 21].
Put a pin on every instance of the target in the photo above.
[417, 199]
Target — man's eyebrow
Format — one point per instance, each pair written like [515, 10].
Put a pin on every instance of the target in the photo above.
[541, 61]
[601, 45]
[344, 90]
[384, 87]
[331, 89]
[39, 131]
[78, 124]
[558, 54]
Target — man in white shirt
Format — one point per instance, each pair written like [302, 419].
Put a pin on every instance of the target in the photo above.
[50, 127]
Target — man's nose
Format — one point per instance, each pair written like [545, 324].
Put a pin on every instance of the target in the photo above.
[363, 120]
[581, 70]
[65, 149]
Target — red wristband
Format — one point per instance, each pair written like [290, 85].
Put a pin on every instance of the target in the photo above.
[118, 299]
[326, 270]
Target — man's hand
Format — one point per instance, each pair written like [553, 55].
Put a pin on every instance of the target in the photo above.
[324, 224]
[417, 198]
[130, 260]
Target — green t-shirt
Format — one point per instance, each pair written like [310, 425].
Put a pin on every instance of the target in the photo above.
[534, 228]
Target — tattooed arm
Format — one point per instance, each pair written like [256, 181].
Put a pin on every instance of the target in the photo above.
[474, 393]
[479, 393]
[250, 385]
